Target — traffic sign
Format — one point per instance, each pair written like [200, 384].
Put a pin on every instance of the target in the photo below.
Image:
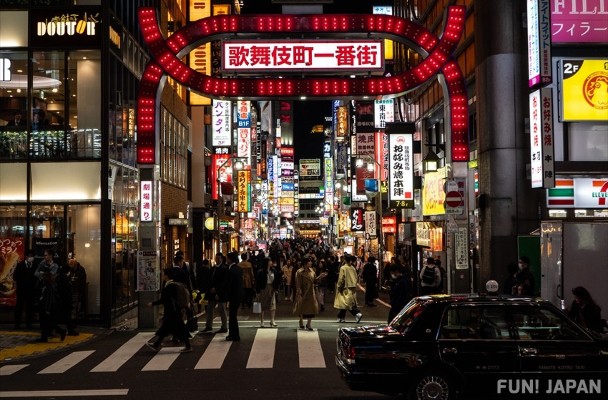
[453, 199]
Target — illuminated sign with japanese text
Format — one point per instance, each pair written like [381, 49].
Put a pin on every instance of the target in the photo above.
[539, 42]
[243, 114]
[541, 139]
[221, 123]
[166, 56]
[401, 167]
[145, 201]
[243, 185]
[302, 55]
[384, 111]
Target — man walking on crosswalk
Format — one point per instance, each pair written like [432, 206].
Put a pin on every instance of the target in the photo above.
[235, 295]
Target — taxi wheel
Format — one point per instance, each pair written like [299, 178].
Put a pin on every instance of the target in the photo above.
[433, 386]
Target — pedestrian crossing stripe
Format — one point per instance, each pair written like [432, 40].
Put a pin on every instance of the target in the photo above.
[262, 354]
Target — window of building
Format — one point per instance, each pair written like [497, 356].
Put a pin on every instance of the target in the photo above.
[174, 150]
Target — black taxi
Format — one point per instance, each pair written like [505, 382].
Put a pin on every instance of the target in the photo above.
[467, 346]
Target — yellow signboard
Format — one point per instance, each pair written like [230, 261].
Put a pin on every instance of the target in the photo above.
[433, 193]
[585, 90]
[243, 191]
[200, 59]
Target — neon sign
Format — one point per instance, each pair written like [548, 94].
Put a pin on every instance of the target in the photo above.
[167, 53]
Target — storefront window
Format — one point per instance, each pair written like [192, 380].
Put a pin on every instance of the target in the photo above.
[47, 231]
[13, 104]
[84, 243]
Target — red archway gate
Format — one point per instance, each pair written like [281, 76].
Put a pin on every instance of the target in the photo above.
[166, 56]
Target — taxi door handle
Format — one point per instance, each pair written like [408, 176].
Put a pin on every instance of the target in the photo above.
[528, 351]
[449, 350]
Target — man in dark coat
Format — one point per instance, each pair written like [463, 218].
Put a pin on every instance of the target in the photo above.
[26, 290]
[217, 294]
[370, 277]
[172, 314]
[401, 290]
[235, 295]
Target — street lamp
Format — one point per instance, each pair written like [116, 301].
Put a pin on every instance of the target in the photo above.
[430, 163]
[362, 159]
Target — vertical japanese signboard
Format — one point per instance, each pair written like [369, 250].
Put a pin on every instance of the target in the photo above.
[145, 202]
[243, 184]
[384, 111]
[541, 139]
[401, 168]
[356, 219]
[244, 130]
[370, 224]
[221, 123]
[539, 42]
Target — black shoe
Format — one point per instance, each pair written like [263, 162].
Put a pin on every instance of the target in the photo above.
[153, 346]
[62, 335]
[223, 330]
[232, 339]
[207, 330]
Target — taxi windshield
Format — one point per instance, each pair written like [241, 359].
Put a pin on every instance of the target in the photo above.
[405, 319]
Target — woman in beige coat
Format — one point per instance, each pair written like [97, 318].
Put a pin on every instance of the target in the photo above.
[346, 291]
[306, 305]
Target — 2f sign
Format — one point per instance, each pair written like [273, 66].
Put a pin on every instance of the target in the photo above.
[5, 69]
[570, 68]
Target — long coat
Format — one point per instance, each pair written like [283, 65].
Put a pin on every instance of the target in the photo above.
[346, 288]
[306, 304]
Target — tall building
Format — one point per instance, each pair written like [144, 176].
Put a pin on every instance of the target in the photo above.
[69, 178]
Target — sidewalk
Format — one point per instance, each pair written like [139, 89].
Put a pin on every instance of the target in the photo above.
[19, 344]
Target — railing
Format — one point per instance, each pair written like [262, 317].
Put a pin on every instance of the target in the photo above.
[50, 144]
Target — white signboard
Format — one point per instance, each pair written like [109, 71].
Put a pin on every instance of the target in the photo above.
[145, 201]
[401, 171]
[461, 246]
[541, 139]
[384, 111]
[148, 273]
[539, 42]
[221, 123]
[302, 55]
[310, 167]
[370, 223]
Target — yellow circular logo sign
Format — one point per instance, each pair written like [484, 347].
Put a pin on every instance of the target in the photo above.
[595, 90]
[210, 223]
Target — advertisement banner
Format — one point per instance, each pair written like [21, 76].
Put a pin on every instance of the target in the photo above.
[384, 111]
[370, 224]
[539, 42]
[221, 123]
[310, 167]
[541, 139]
[579, 22]
[364, 117]
[584, 88]
[401, 170]
[243, 185]
[12, 250]
[357, 222]
[433, 193]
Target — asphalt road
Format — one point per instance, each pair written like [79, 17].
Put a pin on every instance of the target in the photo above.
[280, 363]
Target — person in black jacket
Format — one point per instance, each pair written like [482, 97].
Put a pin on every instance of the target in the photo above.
[203, 279]
[217, 294]
[235, 295]
[173, 322]
[401, 291]
[26, 290]
[585, 311]
[370, 277]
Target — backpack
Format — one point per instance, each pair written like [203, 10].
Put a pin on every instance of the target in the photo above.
[428, 276]
[182, 295]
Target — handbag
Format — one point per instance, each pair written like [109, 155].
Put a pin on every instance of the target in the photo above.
[192, 324]
[257, 307]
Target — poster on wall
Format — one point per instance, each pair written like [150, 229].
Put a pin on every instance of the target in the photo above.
[148, 277]
[584, 90]
[11, 252]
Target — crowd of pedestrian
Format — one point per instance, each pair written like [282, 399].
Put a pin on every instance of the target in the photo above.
[49, 293]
